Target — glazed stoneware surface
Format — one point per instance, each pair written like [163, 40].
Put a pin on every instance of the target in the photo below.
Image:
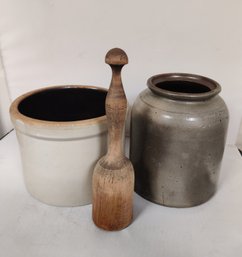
[61, 136]
[178, 134]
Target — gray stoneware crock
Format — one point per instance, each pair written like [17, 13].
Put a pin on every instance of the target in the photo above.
[178, 133]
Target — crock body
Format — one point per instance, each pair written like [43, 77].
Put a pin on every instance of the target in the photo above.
[58, 157]
[177, 141]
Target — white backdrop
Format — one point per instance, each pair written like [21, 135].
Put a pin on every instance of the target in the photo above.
[5, 123]
[50, 42]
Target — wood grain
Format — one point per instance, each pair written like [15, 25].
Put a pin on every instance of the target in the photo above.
[113, 177]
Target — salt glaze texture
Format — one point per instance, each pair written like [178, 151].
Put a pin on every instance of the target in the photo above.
[178, 134]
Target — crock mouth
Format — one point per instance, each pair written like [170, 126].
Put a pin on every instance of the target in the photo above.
[183, 86]
[58, 106]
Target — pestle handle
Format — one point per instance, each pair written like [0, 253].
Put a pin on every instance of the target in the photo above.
[116, 106]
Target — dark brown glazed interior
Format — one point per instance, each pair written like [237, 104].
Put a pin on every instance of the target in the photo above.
[183, 86]
[64, 104]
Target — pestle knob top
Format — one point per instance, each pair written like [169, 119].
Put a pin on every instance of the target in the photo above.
[116, 56]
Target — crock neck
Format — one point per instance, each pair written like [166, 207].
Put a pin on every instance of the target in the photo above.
[183, 86]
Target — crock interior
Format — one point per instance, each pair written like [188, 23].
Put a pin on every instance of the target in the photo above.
[64, 104]
[183, 87]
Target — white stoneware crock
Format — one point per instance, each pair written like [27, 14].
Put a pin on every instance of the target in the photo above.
[61, 132]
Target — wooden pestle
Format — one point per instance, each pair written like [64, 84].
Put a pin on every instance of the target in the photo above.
[113, 177]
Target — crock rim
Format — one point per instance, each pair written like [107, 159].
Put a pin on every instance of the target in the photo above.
[15, 114]
[214, 86]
